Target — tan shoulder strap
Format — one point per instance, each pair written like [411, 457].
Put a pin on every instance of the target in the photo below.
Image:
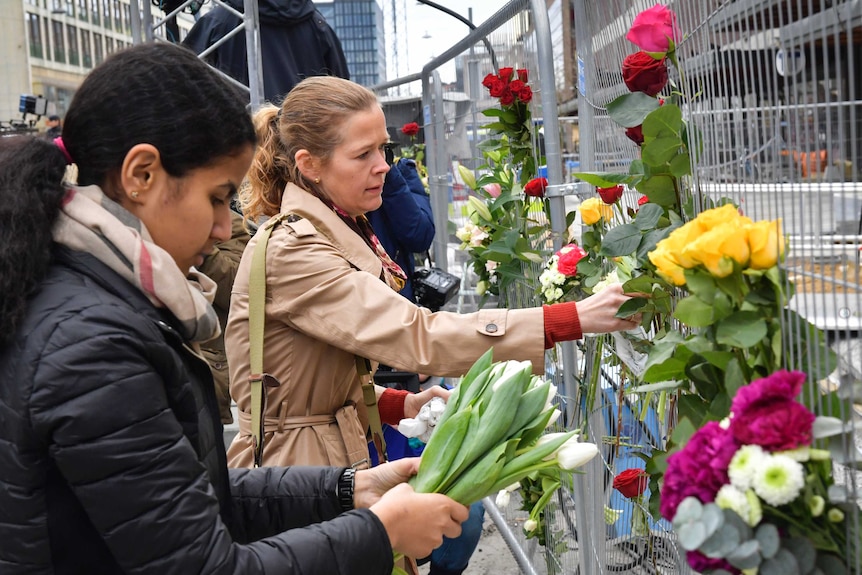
[363, 368]
[256, 321]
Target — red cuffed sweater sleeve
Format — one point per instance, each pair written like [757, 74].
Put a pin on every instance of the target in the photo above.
[561, 323]
[391, 406]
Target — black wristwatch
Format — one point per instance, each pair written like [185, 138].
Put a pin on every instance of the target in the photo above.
[346, 484]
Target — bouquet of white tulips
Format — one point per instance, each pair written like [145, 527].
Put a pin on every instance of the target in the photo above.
[491, 435]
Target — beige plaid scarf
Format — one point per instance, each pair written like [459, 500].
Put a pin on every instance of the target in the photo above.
[91, 222]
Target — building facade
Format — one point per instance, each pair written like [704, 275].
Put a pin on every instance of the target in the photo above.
[359, 25]
[49, 46]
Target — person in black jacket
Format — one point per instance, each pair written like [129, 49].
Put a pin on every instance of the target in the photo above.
[295, 42]
[111, 454]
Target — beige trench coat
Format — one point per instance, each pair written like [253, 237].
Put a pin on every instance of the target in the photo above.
[325, 304]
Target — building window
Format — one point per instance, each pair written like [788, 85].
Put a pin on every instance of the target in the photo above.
[98, 52]
[57, 39]
[118, 15]
[72, 37]
[86, 49]
[127, 17]
[36, 44]
[94, 10]
[109, 45]
[82, 10]
[106, 13]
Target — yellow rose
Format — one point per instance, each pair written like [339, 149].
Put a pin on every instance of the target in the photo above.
[593, 210]
[667, 266]
[766, 242]
[719, 247]
[677, 240]
[709, 219]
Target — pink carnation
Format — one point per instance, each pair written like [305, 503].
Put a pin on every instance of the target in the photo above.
[699, 470]
[569, 256]
[766, 413]
[703, 564]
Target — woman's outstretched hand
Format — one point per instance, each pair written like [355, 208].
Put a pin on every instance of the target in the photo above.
[414, 401]
[597, 313]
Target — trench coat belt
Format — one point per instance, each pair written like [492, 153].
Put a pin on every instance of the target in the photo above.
[272, 424]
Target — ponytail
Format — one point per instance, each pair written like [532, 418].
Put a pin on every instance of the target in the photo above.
[269, 171]
[31, 193]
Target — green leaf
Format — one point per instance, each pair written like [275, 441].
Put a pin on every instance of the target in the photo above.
[662, 122]
[680, 165]
[669, 369]
[743, 329]
[636, 168]
[648, 216]
[649, 242]
[621, 241]
[603, 179]
[640, 284]
[733, 378]
[692, 407]
[660, 189]
[683, 431]
[693, 312]
[630, 110]
[493, 112]
[701, 284]
[631, 307]
[661, 150]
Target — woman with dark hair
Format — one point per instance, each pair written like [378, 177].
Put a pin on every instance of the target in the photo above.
[111, 457]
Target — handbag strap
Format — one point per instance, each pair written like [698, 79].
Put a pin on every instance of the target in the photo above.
[363, 368]
[256, 321]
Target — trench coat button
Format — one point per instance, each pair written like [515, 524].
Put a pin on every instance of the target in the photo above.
[491, 328]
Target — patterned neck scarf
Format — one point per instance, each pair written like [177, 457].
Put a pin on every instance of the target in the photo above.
[392, 274]
[91, 222]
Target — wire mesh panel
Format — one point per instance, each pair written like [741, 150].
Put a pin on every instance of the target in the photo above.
[772, 98]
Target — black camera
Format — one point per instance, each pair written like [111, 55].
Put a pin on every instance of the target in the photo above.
[433, 287]
[389, 153]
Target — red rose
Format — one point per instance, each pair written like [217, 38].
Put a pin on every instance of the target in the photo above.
[497, 88]
[568, 258]
[489, 80]
[631, 482]
[522, 75]
[643, 200]
[611, 195]
[635, 134]
[505, 74]
[516, 86]
[507, 98]
[643, 73]
[410, 129]
[525, 94]
[536, 186]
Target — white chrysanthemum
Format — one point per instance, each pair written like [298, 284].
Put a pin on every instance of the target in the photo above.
[729, 497]
[724, 423]
[546, 279]
[743, 465]
[611, 278]
[817, 504]
[779, 480]
[756, 509]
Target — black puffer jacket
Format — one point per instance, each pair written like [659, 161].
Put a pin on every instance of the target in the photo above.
[295, 42]
[111, 458]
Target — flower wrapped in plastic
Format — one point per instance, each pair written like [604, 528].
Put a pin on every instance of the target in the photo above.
[755, 493]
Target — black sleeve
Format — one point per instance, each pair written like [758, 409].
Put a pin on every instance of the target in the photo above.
[101, 403]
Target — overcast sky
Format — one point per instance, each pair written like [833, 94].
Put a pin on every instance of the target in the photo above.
[443, 29]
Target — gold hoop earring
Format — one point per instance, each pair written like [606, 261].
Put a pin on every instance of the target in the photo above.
[316, 180]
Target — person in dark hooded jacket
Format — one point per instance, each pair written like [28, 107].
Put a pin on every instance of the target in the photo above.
[295, 42]
[111, 452]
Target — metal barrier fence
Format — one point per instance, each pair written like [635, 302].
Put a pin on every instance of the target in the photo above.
[778, 110]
